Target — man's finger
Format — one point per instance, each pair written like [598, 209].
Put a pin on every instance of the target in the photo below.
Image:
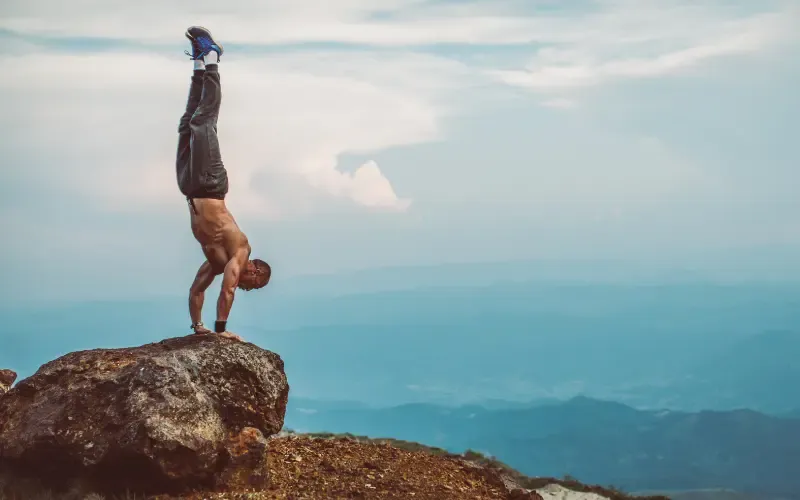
[231, 335]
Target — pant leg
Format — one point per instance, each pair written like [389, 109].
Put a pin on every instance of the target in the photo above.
[183, 158]
[208, 179]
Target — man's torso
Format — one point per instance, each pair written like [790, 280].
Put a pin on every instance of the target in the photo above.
[216, 230]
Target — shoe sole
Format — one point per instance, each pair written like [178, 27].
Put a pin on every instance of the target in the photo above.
[190, 37]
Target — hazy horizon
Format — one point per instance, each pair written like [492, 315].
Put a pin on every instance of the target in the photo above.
[417, 331]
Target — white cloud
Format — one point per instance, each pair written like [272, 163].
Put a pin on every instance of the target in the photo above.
[649, 39]
[375, 22]
[366, 186]
[598, 23]
[105, 124]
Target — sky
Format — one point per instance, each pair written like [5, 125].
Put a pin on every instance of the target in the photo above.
[369, 133]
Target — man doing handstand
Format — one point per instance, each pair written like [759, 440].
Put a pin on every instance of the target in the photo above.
[202, 178]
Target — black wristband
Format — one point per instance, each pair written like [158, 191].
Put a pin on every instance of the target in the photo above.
[219, 326]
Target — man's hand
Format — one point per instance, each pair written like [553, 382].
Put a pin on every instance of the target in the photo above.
[231, 335]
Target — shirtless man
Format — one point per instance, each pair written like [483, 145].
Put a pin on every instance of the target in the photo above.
[202, 178]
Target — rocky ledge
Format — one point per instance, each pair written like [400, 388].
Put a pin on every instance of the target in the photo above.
[179, 414]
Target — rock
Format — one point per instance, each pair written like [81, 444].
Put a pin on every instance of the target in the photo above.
[7, 378]
[522, 494]
[246, 461]
[163, 417]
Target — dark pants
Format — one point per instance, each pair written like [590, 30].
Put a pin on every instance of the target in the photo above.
[199, 167]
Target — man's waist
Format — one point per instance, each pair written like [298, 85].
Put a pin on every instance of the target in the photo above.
[202, 201]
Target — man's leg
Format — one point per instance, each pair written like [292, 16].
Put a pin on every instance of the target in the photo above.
[199, 167]
[183, 158]
[209, 179]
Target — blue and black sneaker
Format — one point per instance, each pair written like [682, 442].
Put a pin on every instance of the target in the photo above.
[202, 43]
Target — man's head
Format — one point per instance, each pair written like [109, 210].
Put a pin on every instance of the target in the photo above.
[255, 275]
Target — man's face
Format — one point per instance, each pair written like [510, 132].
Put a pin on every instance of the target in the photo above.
[255, 275]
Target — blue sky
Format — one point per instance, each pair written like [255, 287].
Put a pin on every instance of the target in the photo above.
[362, 133]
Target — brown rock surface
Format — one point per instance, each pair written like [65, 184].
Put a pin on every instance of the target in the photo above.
[7, 378]
[302, 467]
[521, 494]
[165, 416]
[344, 468]
[246, 462]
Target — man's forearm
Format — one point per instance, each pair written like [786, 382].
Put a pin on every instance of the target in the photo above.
[224, 304]
[196, 299]
[205, 275]
[230, 280]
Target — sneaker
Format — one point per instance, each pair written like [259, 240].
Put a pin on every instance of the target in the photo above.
[202, 43]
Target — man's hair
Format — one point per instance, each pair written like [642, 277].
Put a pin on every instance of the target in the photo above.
[255, 277]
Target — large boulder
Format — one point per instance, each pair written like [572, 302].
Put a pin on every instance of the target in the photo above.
[7, 378]
[185, 413]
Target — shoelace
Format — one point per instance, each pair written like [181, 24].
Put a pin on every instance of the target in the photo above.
[204, 45]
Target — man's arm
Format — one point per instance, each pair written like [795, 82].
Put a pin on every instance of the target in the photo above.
[230, 279]
[204, 278]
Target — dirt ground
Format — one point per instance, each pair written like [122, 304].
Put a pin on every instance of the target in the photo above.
[302, 467]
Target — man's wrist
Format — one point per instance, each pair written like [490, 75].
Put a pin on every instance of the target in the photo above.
[219, 326]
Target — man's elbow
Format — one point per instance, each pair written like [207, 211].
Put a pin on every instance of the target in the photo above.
[197, 289]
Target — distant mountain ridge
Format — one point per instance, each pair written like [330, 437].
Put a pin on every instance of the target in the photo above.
[597, 442]
[680, 346]
[751, 373]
